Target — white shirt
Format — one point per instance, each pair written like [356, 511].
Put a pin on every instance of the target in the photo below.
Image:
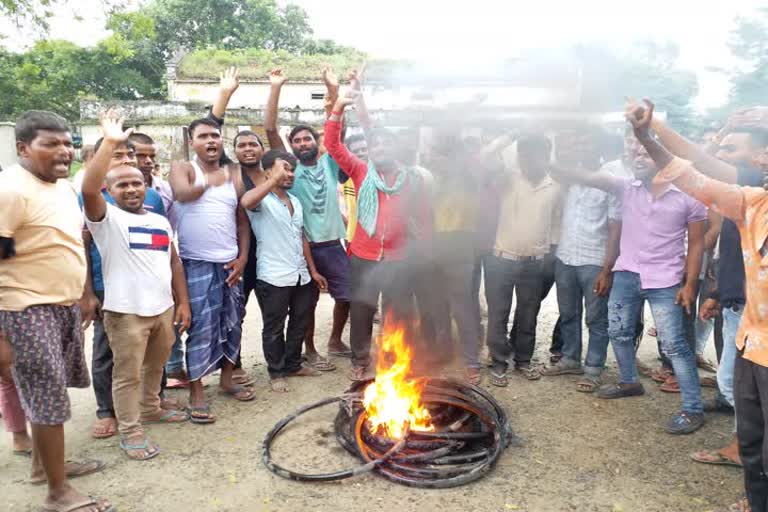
[280, 244]
[136, 261]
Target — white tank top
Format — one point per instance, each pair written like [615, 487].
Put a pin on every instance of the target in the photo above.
[207, 226]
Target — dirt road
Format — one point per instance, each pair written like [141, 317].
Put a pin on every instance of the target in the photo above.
[579, 453]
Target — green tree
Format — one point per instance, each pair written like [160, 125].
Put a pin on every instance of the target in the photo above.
[21, 11]
[647, 69]
[749, 44]
[228, 24]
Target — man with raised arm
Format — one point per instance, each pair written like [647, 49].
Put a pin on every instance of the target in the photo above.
[378, 250]
[317, 179]
[747, 207]
[288, 282]
[213, 233]
[653, 266]
[142, 274]
[42, 273]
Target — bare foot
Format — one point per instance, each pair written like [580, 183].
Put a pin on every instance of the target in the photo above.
[306, 371]
[72, 500]
[22, 443]
[279, 385]
[104, 428]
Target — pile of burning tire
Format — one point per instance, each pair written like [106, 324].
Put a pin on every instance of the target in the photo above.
[470, 431]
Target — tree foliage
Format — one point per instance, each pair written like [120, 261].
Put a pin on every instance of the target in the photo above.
[749, 44]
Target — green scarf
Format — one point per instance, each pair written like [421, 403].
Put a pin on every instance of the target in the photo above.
[368, 197]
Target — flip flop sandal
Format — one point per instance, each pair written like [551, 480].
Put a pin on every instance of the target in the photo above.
[141, 446]
[243, 380]
[176, 384]
[740, 506]
[617, 391]
[204, 416]
[588, 384]
[83, 469]
[23, 453]
[106, 434]
[90, 501]
[708, 382]
[473, 376]
[529, 372]
[239, 393]
[706, 365]
[322, 364]
[279, 385]
[644, 370]
[661, 375]
[499, 379]
[670, 386]
[714, 458]
[346, 353]
[652, 332]
[561, 369]
[167, 418]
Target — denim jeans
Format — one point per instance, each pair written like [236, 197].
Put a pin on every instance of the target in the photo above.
[731, 321]
[505, 278]
[175, 362]
[624, 308]
[575, 294]
[102, 364]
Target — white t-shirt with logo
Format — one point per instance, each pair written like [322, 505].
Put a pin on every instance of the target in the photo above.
[136, 261]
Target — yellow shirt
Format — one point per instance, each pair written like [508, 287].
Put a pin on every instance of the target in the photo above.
[351, 200]
[45, 221]
[529, 219]
[748, 208]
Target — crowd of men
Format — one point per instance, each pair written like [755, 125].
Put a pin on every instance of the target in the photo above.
[164, 269]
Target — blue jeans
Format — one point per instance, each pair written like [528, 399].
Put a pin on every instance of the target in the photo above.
[175, 362]
[624, 308]
[575, 294]
[731, 321]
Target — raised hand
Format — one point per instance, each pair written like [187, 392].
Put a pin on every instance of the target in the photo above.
[229, 80]
[355, 82]
[754, 118]
[330, 79]
[347, 99]
[640, 116]
[112, 126]
[277, 77]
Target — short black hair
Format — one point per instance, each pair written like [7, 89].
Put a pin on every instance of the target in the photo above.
[127, 144]
[141, 138]
[268, 160]
[355, 137]
[248, 133]
[31, 121]
[207, 121]
[301, 127]
[534, 142]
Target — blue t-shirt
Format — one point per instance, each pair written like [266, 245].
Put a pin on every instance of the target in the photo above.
[152, 203]
[315, 188]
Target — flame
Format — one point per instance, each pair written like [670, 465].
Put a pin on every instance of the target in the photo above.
[394, 399]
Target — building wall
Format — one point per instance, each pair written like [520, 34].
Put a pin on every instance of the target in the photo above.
[249, 94]
[7, 145]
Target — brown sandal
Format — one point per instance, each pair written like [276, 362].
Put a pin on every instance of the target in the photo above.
[588, 384]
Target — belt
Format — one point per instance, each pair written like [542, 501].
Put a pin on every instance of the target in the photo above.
[520, 259]
[320, 245]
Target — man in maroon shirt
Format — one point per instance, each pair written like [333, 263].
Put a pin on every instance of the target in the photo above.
[384, 189]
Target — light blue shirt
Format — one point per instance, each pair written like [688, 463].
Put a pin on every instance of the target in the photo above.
[279, 242]
[316, 188]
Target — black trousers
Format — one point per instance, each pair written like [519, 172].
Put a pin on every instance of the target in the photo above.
[548, 276]
[282, 348]
[750, 392]
[371, 279]
[249, 285]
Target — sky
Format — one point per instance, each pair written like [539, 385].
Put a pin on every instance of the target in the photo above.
[483, 30]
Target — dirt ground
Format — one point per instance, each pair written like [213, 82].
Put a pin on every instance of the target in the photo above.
[578, 454]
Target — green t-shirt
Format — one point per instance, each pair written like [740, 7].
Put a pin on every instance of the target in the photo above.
[315, 187]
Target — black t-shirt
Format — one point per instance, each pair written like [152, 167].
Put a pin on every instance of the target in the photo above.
[731, 279]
